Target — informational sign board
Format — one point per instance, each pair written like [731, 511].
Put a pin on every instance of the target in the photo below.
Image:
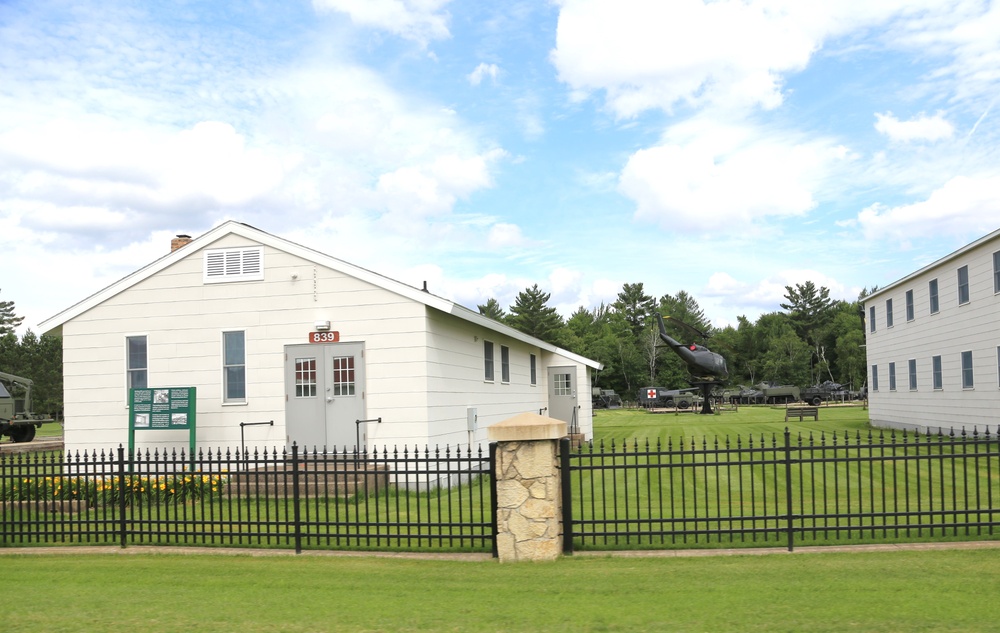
[162, 408]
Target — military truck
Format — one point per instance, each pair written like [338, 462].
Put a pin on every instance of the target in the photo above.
[657, 397]
[16, 419]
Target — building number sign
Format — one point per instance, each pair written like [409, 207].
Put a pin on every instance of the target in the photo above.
[324, 337]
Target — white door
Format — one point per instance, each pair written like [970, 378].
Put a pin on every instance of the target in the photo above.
[562, 395]
[324, 395]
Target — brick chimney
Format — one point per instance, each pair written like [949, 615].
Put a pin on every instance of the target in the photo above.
[179, 241]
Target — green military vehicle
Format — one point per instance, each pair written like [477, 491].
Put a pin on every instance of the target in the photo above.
[16, 419]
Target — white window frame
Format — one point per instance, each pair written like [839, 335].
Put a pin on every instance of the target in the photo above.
[227, 365]
[129, 369]
[533, 367]
[996, 272]
[888, 313]
[934, 299]
[504, 364]
[911, 368]
[937, 375]
[871, 318]
[968, 372]
[874, 377]
[892, 376]
[489, 361]
[964, 294]
[910, 313]
[224, 265]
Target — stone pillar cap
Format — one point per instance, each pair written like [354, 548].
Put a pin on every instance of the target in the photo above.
[527, 426]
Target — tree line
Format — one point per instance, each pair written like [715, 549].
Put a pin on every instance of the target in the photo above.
[38, 359]
[812, 339]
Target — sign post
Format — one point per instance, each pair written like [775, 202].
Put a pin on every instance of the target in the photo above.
[162, 408]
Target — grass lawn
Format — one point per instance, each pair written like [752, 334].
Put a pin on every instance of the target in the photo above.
[871, 592]
[757, 420]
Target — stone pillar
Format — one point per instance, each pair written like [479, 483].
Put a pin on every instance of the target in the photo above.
[528, 487]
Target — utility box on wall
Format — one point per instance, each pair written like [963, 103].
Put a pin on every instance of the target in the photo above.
[473, 418]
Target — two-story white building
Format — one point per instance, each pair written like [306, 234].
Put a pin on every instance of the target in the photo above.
[268, 330]
[934, 344]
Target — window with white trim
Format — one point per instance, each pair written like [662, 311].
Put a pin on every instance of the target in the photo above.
[874, 377]
[937, 378]
[963, 285]
[888, 312]
[932, 293]
[234, 264]
[234, 367]
[967, 377]
[871, 319]
[136, 363]
[911, 366]
[892, 376]
[488, 361]
[996, 272]
[504, 364]
[532, 366]
[909, 305]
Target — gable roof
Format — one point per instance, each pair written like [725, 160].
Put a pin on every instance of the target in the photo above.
[944, 260]
[231, 227]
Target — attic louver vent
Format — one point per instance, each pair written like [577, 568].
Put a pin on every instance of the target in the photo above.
[234, 264]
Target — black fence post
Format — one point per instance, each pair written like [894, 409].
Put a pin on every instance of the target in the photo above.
[566, 493]
[493, 497]
[788, 490]
[122, 524]
[297, 527]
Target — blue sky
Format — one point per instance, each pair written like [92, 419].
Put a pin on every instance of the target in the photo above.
[727, 148]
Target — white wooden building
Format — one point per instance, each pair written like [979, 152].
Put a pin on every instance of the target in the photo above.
[934, 344]
[265, 329]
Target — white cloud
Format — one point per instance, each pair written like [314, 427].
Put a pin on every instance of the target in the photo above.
[962, 205]
[921, 128]
[417, 20]
[504, 235]
[482, 71]
[721, 178]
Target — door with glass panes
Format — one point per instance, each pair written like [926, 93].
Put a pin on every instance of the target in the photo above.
[562, 395]
[324, 395]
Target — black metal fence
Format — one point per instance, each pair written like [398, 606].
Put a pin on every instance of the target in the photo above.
[781, 491]
[395, 499]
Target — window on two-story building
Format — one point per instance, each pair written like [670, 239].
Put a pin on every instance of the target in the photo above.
[892, 376]
[532, 368]
[888, 312]
[937, 380]
[996, 272]
[932, 293]
[871, 319]
[909, 305]
[874, 377]
[967, 377]
[911, 367]
[963, 285]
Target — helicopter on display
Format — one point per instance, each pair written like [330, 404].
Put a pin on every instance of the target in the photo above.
[707, 368]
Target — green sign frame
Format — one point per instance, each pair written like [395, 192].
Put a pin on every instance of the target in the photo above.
[162, 409]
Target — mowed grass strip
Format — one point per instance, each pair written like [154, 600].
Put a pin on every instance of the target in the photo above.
[868, 591]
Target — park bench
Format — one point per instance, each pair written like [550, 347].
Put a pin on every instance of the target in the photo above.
[801, 413]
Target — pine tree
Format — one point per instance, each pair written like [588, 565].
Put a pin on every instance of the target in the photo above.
[9, 321]
[493, 310]
[531, 314]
